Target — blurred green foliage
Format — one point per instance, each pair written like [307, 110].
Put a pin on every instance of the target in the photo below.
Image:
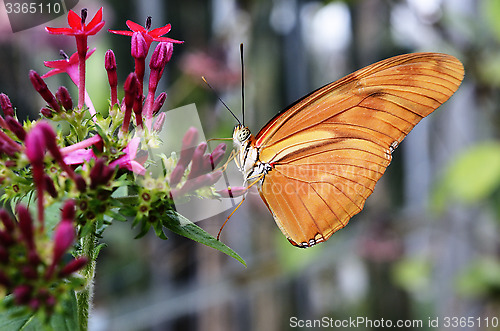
[472, 177]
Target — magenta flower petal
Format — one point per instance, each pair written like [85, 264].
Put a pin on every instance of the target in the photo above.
[158, 32]
[128, 161]
[79, 156]
[77, 27]
[121, 32]
[73, 266]
[69, 66]
[58, 30]
[96, 21]
[74, 20]
[135, 27]
[64, 235]
[149, 36]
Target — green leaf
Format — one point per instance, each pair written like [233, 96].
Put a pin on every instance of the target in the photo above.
[115, 216]
[144, 229]
[474, 176]
[14, 318]
[491, 12]
[18, 318]
[68, 318]
[102, 133]
[159, 231]
[412, 274]
[177, 223]
[480, 278]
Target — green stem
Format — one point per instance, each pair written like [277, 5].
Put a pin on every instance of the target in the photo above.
[84, 297]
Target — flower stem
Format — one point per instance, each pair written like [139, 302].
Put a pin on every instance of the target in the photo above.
[81, 44]
[84, 297]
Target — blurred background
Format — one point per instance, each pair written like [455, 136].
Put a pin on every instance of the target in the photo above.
[426, 245]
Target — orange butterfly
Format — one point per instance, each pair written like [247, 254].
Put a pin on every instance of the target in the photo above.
[316, 162]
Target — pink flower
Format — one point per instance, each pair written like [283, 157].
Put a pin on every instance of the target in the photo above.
[128, 160]
[78, 26]
[78, 153]
[149, 36]
[79, 156]
[67, 65]
[80, 31]
[70, 66]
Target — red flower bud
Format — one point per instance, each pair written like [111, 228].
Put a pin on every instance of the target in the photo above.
[73, 266]
[50, 301]
[107, 173]
[130, 88]
[35, 146]
[33, 257]
[63, 96]
[26, 226]
[15, 127]
[232, 192]
[187, 148]
[110, 65]
[159, 122]
[43, 90]
[110, 60]
[7, 148]
[4, 280]
[198, 182]
[22, 294]
[197, 163]
[6, 238]
[49, 186]
[29, 272]
[139, 47]
[47, 112]
[159, 101]
[68, 211]
[51, 143]
[4, 255]
[217, 155]
[34, 304]
[6, 220]
[64, 235]
[81, 185]
[161, 55]
[138, 107]
[176, 175]
[6, 105]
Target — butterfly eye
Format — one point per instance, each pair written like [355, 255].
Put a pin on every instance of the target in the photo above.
[243, 134]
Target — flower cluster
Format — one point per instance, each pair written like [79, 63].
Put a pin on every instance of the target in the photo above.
[93, 165]
[35, 275]
[192, 173]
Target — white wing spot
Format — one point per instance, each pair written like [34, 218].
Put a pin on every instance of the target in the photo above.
[388, 153]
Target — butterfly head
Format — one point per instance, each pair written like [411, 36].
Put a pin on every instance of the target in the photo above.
[241, 134]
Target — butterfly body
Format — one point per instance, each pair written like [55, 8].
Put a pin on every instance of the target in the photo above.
[316, 162]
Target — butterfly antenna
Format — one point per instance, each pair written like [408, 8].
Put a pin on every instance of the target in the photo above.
[242, 85]
[213, 90]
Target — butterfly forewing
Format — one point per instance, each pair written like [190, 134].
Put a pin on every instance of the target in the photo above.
[328, 150]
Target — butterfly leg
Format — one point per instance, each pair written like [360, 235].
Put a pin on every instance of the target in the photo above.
[239, 204]
[229, 159]
[227, 219]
